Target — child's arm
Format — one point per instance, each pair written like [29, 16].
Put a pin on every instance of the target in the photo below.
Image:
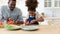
[41, 19]
[26, 20]
[33, 21]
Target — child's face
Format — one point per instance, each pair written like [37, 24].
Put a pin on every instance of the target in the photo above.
[31, 13]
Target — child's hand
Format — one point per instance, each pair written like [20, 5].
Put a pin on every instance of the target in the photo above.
[41, 19]
[33, 21]
[27, 23]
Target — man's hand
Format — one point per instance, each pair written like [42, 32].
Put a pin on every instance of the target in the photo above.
[18, 22]
[10, 19]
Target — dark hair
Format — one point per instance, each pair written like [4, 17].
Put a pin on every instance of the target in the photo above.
[31, 4]
[12, 0]
[31, 9]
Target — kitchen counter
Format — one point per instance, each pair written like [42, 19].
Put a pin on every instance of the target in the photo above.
[52, 18]
[43, 29]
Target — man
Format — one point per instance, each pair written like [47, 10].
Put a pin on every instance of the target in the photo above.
[11, 11]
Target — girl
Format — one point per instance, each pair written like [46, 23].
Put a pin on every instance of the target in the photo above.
[33, 16]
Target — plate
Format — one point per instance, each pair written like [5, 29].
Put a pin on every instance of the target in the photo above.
[30, 28]
[12, 27]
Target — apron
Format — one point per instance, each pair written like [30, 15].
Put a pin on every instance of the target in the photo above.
[32, 18]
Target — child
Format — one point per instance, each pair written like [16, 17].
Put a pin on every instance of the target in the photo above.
[33, 16]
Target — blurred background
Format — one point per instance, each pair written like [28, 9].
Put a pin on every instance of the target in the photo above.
[50, 8]
[21, 5]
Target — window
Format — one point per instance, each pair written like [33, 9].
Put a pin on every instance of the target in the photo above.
[51, 3]
[47, 3]
[57, 3]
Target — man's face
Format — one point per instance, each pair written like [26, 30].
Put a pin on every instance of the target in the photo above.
[12, 5]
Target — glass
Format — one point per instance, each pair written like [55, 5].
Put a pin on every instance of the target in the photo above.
[49, 0]
[59, 3]
[45, 0]
[45, 4]
[49, 4]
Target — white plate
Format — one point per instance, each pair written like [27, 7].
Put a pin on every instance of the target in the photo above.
[30, 28]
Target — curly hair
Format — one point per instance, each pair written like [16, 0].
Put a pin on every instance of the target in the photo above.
[31, 4]
[11, 0]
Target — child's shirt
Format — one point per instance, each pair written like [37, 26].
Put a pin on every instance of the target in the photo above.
[37, 16]
[30, 18]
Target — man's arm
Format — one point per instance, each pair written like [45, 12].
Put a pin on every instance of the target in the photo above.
[20, 17]
[1, 10]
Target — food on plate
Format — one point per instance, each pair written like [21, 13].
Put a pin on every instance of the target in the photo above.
[10, 22]
[11, 27]
[1, 25]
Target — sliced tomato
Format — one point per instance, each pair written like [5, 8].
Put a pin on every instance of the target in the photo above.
[10, 22]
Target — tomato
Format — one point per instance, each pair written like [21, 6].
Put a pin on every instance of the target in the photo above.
[10, 22]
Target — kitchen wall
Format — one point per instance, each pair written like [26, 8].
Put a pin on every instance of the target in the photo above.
[53, 13]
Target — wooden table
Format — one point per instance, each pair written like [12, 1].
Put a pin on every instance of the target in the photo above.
[46, 29]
